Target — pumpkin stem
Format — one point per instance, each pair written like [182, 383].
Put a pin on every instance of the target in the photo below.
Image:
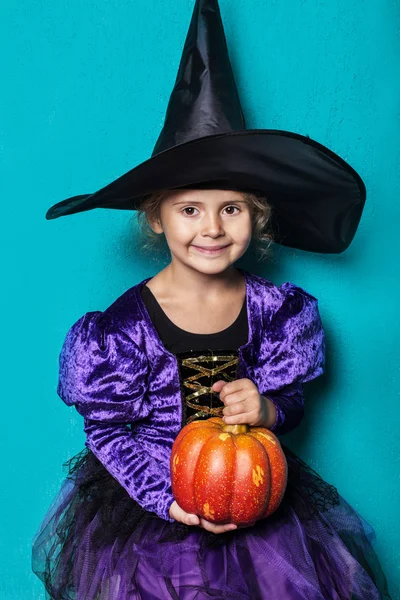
[235, 429]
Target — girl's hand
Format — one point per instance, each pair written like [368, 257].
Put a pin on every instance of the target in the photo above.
[177, 513]
[244, 404]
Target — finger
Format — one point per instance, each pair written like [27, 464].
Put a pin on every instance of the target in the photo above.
[234, 397]
[218, 385]
[240, 419]
[227, 388]
[235, 409]
[215, 528]
[242, 406]
[189, 518]
[230, 395]
[184, 517]
[239, 384]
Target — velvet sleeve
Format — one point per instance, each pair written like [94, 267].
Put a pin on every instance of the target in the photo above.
[289, 404]
[293, 353]
[103, 373]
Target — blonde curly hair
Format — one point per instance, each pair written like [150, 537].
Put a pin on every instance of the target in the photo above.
[260, 210]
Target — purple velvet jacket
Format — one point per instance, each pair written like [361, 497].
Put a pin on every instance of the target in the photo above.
[123, 381]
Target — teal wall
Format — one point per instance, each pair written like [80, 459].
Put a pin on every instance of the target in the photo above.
[85, 87]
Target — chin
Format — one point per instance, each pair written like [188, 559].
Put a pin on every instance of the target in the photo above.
[213, 267]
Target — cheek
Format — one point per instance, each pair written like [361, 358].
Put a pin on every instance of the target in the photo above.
[243, 228]
[176, 230]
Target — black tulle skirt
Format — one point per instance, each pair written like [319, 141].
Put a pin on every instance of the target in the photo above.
[97, 543]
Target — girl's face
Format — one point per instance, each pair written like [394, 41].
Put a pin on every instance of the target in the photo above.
[207, 230]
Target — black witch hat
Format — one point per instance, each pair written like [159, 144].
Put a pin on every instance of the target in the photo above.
[317, 198]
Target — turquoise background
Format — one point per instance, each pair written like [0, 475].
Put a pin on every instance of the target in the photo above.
[85, 88]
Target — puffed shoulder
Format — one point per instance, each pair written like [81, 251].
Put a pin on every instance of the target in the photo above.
[294, 344]
[102, 371]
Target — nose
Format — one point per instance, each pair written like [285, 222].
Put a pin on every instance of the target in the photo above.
[211, 225]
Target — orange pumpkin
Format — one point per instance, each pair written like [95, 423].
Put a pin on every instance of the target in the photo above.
[228, 473]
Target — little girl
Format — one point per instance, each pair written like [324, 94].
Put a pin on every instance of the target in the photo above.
[116, 532]
[201, 338]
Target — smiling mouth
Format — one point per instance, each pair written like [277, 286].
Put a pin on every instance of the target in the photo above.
[210, 249]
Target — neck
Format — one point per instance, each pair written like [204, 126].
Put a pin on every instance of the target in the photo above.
[194, 284]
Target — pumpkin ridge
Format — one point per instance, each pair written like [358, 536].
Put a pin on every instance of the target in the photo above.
[188, 429]
[234, 477]
[214, 431]
[254, 437]
[259, 446]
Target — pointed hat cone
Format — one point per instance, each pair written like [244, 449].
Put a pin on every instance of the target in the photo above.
[317, 198]
[204, 100]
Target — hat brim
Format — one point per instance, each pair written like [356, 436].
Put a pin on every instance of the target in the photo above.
[317, 197]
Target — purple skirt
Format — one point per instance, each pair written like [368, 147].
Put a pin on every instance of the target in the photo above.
[97, 543]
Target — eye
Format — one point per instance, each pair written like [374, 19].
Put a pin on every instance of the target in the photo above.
[231, 206]
[188, 208]
[193, 208]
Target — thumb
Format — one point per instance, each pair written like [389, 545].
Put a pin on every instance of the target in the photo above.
[184, 517]
[190, 518]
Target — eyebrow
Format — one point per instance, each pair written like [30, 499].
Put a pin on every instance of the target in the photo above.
[198, 202]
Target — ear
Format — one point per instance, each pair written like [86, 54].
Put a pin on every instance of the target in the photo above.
[155, 225]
